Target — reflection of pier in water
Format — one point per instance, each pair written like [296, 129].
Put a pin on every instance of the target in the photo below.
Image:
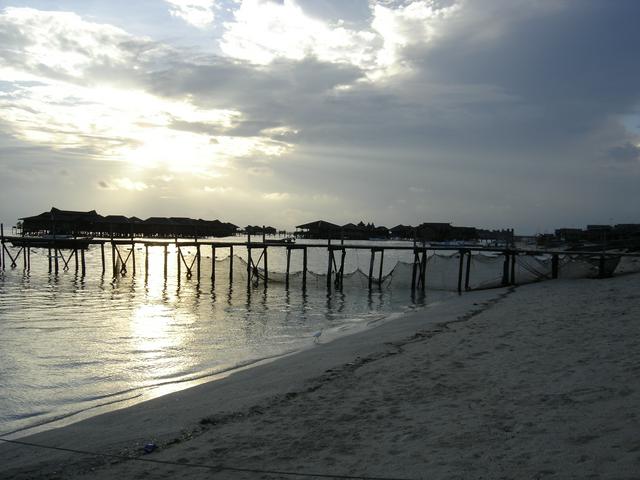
[64, 253]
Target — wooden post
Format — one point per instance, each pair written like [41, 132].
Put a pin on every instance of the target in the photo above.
[505, 269]
[554, 265]
[380, 271]
[424, 270]
[113, 259]
[29, 258]
[49, 250]
[2, 241]
[24, 257]
[84, 269]
[304, 268]
[178, 257]
[56, 259]
[414, 268]
[75, 258]
[213, 265]
[133, 256]
[249, 260]
[286, 278]
[230, 265]
[266, 267]
[513, 268]
[467, 274]
[198, 261]
[101, 256]
[146, 260]
[330, 264]
[342, 255]
[601, 263]
[461, 264]
[371, 261]
[166, 256]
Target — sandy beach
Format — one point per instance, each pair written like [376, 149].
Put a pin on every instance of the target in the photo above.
[537, 381]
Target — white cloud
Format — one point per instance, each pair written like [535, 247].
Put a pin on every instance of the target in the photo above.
[61, 43]
[276, 196]
[263, 31]
[217, 189]
[126, 183]
[57, 101]
[198, 13]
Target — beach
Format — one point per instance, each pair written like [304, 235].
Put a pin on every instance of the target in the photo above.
[535, 381]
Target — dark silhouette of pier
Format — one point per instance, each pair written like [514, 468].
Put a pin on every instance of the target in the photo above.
[65, 253]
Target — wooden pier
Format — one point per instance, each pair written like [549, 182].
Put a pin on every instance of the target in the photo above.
[67, 253]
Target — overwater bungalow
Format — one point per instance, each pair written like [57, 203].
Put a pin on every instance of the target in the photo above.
[318, 229]
[91, 223]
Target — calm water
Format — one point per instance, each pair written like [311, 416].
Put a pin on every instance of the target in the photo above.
[72, 344]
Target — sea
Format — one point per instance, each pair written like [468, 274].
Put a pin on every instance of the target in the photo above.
[73, 345]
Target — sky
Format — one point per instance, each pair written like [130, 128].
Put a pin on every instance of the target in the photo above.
[517, 114]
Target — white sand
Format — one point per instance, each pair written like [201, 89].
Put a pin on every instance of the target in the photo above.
[538, 382]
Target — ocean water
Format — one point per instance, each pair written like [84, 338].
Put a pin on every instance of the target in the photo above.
[73, 345]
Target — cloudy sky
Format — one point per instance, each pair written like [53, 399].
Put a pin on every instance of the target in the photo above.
[492, 113]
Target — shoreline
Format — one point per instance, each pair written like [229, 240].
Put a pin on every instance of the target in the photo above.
[475, 386]
[146, 393]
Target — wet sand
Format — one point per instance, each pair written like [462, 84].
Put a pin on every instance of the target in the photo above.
[538, 381]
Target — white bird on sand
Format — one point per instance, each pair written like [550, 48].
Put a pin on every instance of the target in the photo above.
[316, 336]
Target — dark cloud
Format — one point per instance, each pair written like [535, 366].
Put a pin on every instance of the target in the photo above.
[626, 153]
[503, 118]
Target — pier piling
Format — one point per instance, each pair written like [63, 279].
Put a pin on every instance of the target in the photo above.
[468, 272]
[213, 265]
[371, 261]
[304, 268]
[460, 267]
